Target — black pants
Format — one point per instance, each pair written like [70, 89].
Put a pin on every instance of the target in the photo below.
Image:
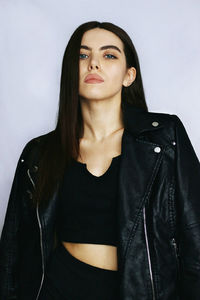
[68, 278]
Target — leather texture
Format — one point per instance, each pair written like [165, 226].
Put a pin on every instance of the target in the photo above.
[158, 216]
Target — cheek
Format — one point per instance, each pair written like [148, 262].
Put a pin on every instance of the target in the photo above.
[117, 78]
[82, 68]
[116, 73]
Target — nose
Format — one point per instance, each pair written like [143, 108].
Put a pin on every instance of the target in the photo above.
[93, 66]
[94, 63]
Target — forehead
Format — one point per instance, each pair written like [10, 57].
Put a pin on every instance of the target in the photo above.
[98, 37]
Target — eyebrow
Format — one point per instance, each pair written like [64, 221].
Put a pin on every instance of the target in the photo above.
[102, 48]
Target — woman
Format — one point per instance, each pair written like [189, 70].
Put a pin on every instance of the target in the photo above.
[106, 206]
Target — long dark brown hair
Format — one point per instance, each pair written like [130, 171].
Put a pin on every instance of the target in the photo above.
[62, 144]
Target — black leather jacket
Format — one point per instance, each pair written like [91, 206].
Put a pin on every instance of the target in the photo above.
[158, 216]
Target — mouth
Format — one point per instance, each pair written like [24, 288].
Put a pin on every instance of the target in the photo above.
[93, 81]
[93, 78]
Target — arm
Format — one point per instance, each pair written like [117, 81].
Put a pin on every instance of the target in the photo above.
[9, 242]
[188, 213]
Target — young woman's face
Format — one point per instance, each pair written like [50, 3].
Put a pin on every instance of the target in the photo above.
[109, 63]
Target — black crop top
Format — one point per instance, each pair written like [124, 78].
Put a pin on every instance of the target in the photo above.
[88, 205]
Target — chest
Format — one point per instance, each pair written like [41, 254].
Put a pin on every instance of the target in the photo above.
[98, 156]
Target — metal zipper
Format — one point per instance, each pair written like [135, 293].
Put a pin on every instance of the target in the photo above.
[41, 246]
[175, 247]
[148, 254]
[174, 244]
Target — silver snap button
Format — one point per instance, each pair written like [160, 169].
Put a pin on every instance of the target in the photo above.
[22, 160]
[155, 124]
[157, 149]
[174, 143]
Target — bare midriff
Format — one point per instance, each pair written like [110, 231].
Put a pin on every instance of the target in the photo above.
[98, 255]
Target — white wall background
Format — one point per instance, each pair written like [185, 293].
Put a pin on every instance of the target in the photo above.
[33, 37]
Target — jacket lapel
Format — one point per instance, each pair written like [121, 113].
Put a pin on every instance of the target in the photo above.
[138, 169]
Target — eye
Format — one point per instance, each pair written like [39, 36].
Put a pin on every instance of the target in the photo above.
[82, 54]
[113, 56]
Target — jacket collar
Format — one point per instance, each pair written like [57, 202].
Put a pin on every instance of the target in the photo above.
[138, 120]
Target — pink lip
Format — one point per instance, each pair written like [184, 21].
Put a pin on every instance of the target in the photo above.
[93, 81]
[93, 78]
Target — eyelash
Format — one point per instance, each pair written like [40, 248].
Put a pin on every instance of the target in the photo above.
[105, 54]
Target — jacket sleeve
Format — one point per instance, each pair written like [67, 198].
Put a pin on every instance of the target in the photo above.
[188, 213]
[9, 242]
